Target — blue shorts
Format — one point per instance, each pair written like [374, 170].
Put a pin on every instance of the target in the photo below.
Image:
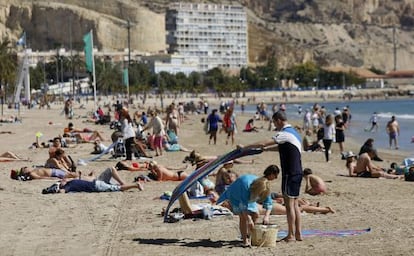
[291, 185]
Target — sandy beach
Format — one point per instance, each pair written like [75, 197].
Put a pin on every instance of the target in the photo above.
[129, 223]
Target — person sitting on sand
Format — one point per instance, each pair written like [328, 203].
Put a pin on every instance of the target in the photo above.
[27, 173]
[366, 169]
[350, 163]
[224, 178]
[58, 161]
[92, 184]
[170, 143]
[243, 195]
[369, 143]
[250, 126]
[65, 159]
[309, 143]
[314, 184]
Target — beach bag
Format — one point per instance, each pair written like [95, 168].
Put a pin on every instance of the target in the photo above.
[264, 235]
[320, 133]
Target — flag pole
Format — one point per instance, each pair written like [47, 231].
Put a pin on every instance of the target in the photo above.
[93, 73]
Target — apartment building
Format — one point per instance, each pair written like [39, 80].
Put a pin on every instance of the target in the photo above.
[216, 34]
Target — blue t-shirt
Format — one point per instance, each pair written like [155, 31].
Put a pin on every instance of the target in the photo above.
[238, 193]
[80, 186]
[144, 119]
[213, 121]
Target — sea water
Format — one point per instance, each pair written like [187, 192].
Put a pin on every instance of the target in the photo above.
[361, 112]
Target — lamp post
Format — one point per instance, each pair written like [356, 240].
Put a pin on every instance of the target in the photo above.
[128, 26]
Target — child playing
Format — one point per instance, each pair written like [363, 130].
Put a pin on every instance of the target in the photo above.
[314, 184]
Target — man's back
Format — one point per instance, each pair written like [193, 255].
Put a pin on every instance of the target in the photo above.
[363, 163]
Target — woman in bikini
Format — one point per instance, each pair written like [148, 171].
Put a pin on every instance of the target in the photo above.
[172, 121]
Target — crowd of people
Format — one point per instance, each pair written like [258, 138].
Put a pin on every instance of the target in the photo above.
[246, 195]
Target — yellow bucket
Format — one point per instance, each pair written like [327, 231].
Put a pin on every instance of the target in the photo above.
[264, 235]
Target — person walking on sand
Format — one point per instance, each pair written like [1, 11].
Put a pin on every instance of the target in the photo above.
[340, 132]
[128, 132]
[393, 130]
[230, 124]
[329, 134]
[212, 121]
[288, 142]
[158, 131]
[374, 122]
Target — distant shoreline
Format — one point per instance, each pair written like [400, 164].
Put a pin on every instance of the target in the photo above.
[276, 97]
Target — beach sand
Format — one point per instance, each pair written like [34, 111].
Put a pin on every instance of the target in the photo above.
[129, 223]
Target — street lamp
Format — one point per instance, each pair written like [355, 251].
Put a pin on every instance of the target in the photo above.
[128, 26]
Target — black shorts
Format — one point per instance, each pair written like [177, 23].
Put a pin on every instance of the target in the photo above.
[291, 185]
[364, 174]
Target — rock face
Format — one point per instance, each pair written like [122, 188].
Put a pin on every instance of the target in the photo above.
[356, 33]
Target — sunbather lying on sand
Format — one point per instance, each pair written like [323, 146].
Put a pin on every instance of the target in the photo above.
[93, 184]
[27, 173]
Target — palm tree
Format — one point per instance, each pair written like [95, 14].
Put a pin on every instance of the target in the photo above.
[109, 77]
[8, 64]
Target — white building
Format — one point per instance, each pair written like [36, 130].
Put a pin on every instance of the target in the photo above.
[216, 34]
[171, 63]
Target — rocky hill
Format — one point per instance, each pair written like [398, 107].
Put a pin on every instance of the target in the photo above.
[357, 33]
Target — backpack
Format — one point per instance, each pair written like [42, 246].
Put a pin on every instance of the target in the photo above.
[320, 133]
[119, 148]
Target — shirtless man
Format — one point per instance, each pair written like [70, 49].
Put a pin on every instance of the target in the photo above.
[393, 130]
[43, 173]
[161, 173]
[366, 169]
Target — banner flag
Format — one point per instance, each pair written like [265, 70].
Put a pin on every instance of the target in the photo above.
[88, 48]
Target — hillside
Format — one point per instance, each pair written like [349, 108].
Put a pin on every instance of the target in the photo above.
[340, 32]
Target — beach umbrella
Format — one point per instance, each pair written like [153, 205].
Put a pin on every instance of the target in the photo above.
[204, 171]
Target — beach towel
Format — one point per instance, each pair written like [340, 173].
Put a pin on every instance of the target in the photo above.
[106, 151]
[327, 233]
[204, 171]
